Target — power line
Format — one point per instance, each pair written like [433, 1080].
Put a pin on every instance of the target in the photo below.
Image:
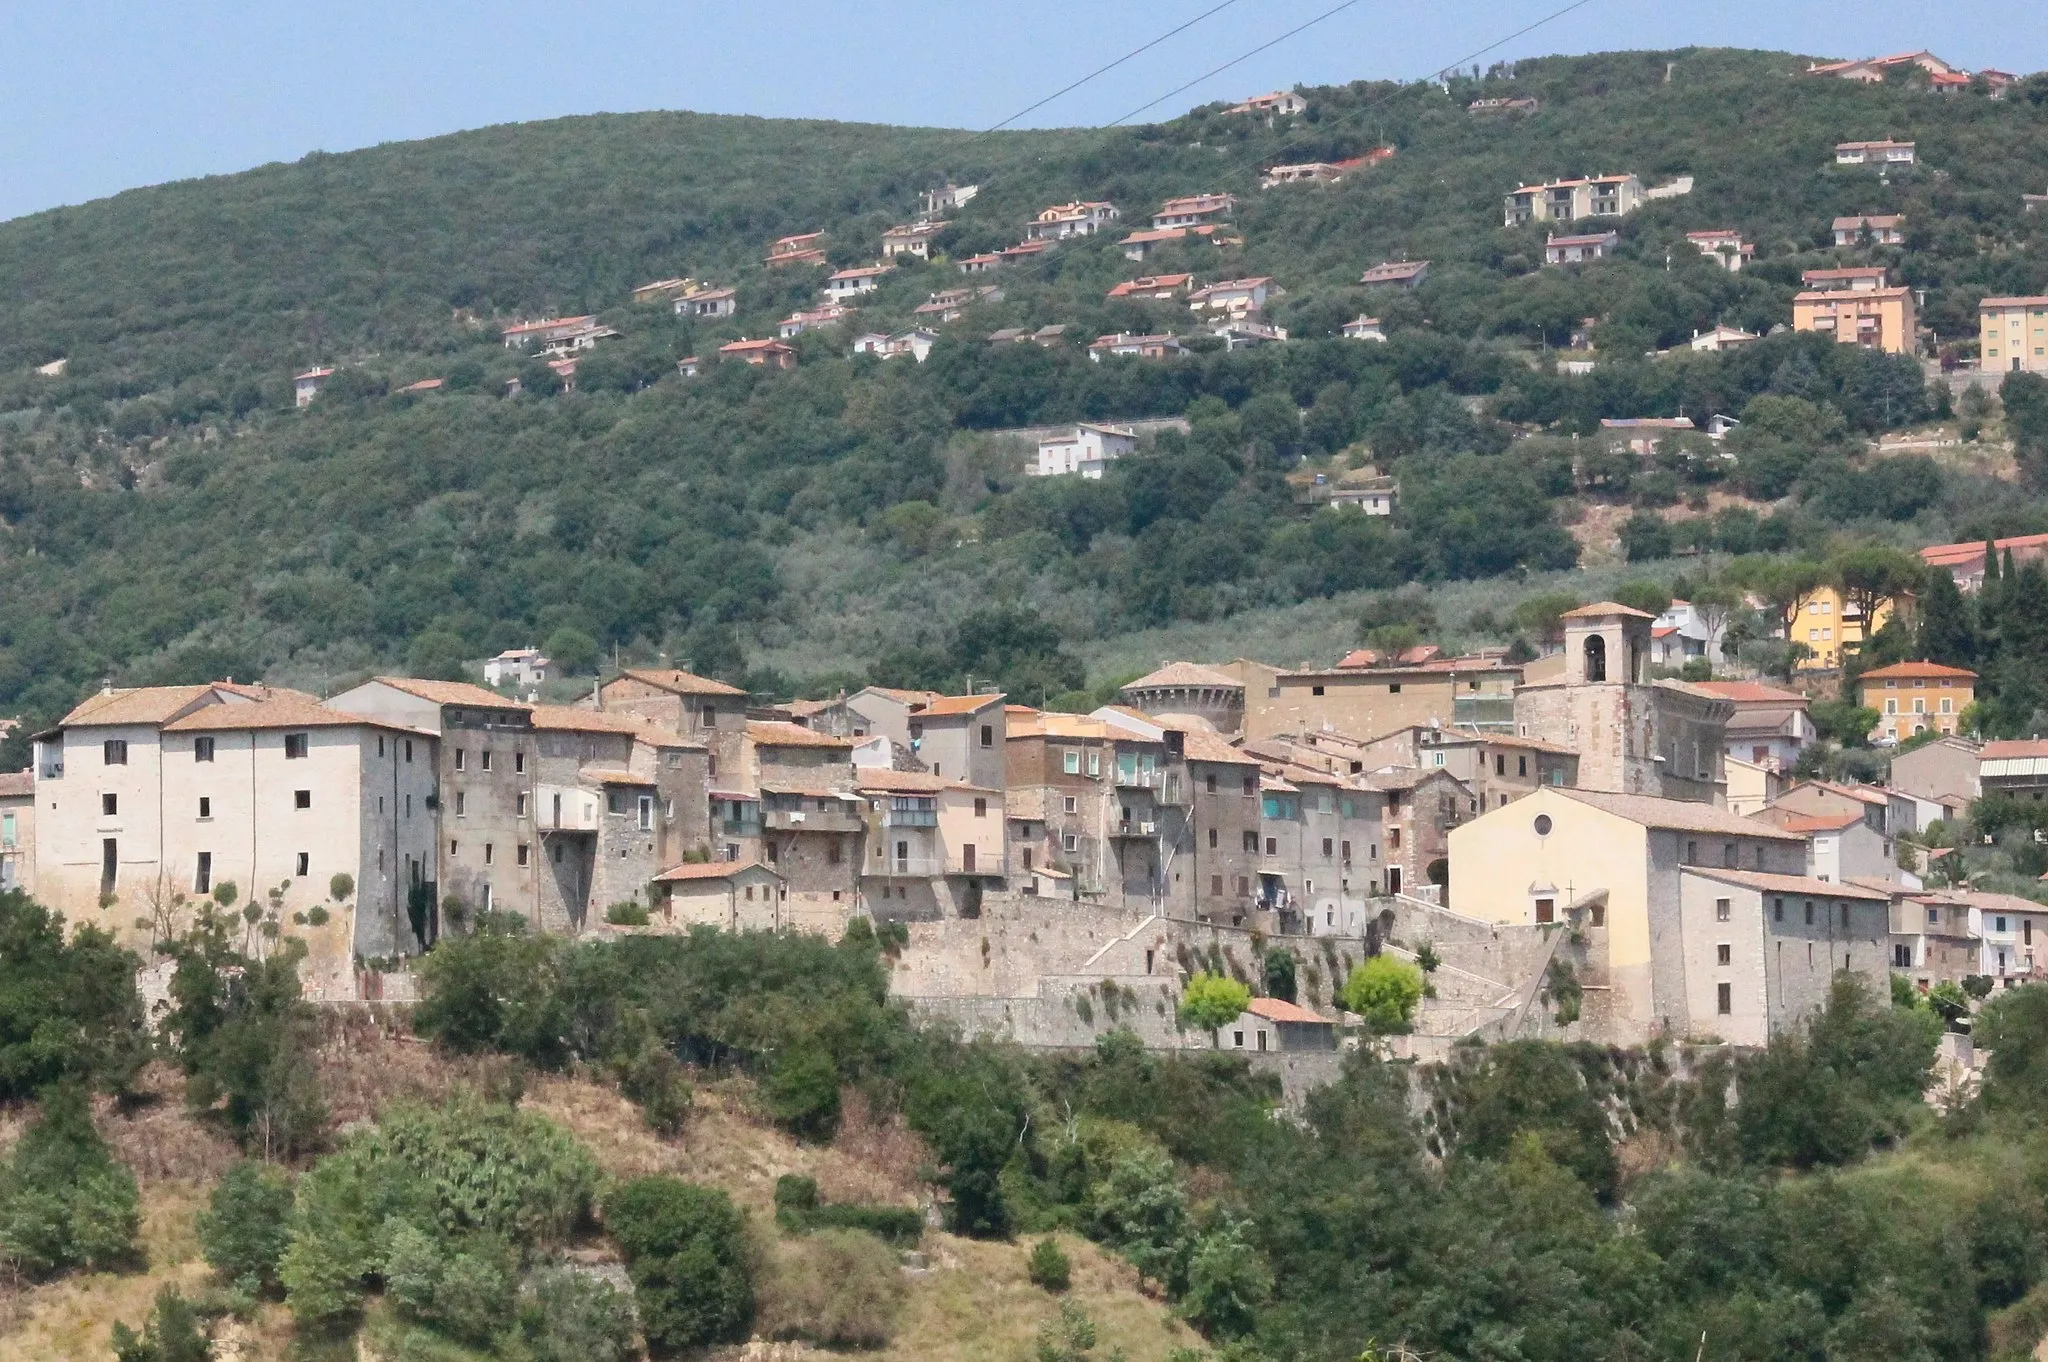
[1337, 9]
[1100, 70]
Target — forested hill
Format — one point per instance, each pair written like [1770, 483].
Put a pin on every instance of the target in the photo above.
[168, 513]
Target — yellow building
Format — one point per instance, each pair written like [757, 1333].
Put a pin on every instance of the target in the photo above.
[1829, 625]
[1914, 697]
[1878, 319]
[2014, 335]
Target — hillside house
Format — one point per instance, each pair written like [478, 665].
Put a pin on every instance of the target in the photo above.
[911, 238]
[1725, 247]
[729, 895]
[1870, 229]
[18, 831]
[1505, 104]
[1138, 245]
[2007, 928]
[762, 354]
[812, 822]
[1570, 200]
[987, 263]
[932, 202]
[1234, 297]
[663, 290]
[1841, 847]
[517, 667]
[1642, 435]
[807, 248]
[1271, 1025]
[1193, 210]
[1277, 104]
[1885, 153]
[949, 305]
[1941, 777]
[1722, 338]
[812, 319]
[915, 343]
[1573, 250]
[1916, 697]
[2015, 767]
[2028, 203]
[1360, 489]
[548, 332]
[1851, 279]
[851, 283]
[1322, 172]
[933, 844]
[1876, 319]
[1065, 220]
[1127, 345]
[307, 386]
[1871, 70]
[1364, 328]
[1398, 273]
[1965, 562]
[1086, 450]
[1023, 250]
[1497, 768]
[2014, 334]
[1244, 334]
[1770, 726]
[707, 302]
[1156, 287]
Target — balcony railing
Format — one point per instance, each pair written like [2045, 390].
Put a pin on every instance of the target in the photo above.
[813, 820]
[910, 818]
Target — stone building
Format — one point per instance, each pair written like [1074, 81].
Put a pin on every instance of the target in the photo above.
[1633, 736]
[687, 705]
[1189, 692]
[932, 845]
[812, 824]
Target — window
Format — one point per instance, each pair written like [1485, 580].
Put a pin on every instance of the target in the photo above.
[1500, 763]
[519, 804]
[1845, 917]
[1394, 688]
[294, 746]
[205, 806]
[519, 763]
[1777, 910]
[1522, 766]
[1327, 846]
[110, 805]
[489, 853]
[380, 744]
[453, 847]
[967, 858]
[1546, 910]
[1692, 853]
[1933, 916]
[1809, 912]
[110, 862]
[461, 760]
[408, 750]
[461, 804]
[114, 752]
[1216, 885]
[1723, 909]
[523, 853]
[1724, 954]
[303, 799]
[484, 758]
[2000, 921]
[305, 864]
[1071, 763]
[707, 716]
[1251, 785]
[1070, 804]
[1244, 885]
[1272, 846]
[202, 874]
[1724, 998]
[646, 816]
[202, 749]
[1251, 840]
[988, 735]
[1094, 764]
[1210, 782]
[981, 808]
[1071, 842]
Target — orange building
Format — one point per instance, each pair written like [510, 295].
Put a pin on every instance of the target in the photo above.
[1877, 319]
[1914, 697]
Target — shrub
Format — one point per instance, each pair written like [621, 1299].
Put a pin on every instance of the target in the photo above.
[1049, 1267]
[64, 1201]
[626, 913]
[1068, 1338]
[172, 1334]
[838, 1289]
[567, 1316]
[795, 1193]
[686, 1248]
[1210, 1000]
[802, 1091]
[67, 1009]
[247, 1224]
[1384, 991]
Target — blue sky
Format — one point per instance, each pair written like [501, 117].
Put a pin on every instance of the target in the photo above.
[103, 96]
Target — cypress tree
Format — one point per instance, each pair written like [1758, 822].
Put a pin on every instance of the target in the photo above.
[1948, 629]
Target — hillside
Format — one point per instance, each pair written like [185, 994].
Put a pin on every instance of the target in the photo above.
[169, 515]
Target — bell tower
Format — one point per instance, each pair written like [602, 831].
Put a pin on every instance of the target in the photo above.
[1607, 643]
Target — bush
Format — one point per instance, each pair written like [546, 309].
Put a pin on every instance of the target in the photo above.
[567, 1316]
[1385, 991]
[67, 1009]
[1212, 1000]
[246, 1225]
[795, 1193]
[802, 1091]
[1049, 1267]
[172, 1334]
[837, 1289]
[64, 1201]
[686, 1248]
[626, 913]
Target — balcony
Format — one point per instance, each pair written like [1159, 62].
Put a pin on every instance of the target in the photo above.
[841, 818]
[1136, 828]
[910, 818]
[911, 867]
[567, 808]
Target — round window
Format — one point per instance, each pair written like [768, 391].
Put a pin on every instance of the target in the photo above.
[1542, 825]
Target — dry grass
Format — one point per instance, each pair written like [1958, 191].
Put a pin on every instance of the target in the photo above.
[72, 1317]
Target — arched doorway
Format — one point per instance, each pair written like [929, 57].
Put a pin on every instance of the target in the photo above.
[1596, 658]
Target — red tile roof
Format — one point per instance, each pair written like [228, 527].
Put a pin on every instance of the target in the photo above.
[1916, 671]
[1280, 1010]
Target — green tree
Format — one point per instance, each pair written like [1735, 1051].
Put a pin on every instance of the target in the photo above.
[246, 1225]
[1872, 576]
[64, 1201]
[1279, 971]
[1068, 1337]
[68, 1010]
[1048, 1267]
[2025, 398]
[1140, 1210]
[436, 655]
[1212, 1000]
[2014, 1028]
[686, 1249]
[1946, 630]
[173, 1333]
[1385, 991]
[573, 652]
[1228, 1281]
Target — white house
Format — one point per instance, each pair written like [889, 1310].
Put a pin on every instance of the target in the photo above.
[1278, 104]
[912, 238]
[1573, 250]
[1085, 449]
[1233, 296]
[1725, 247]
[1364, 328]
[707, 302]
[1064, 220]
[1193, 210]
[916, 344]
[854, 282]
[1721, 338]
[307, 386]
[519, 666]
[1886, 153]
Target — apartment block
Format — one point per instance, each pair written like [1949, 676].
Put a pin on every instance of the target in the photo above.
[2013, 335]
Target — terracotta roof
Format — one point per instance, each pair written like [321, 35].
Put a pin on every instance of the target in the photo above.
[450, 692]
[1753, 693]
[2014, 748]
[911, 782]
[1789, 884]
[709, 870]
[1949, 555]
[576, 719]
[17, 783]
[680, 682]
[1916, 671]
[946, 705]
[1280, 1010]
[283, 712]
[1860, 793]
[1793, 820]
[1675, 814]
[911, 698]
[612, 775]
[774, 733]
[1407, 777]
[808, 791]
[1761, 720]
[1601, 609]
[142, 705]
[1200, 746]
[1185, 674]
